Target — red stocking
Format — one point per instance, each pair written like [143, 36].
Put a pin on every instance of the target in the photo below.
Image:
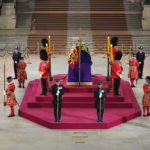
[12, 110]
[132, 81]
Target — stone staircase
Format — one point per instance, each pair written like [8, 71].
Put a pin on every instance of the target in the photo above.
[62, 19]
[109, 18]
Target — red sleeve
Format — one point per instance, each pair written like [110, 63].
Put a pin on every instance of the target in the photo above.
[114, 68]
[114, 51]
[145, 87]
[18, 65]
[40, 67]
[25, 65]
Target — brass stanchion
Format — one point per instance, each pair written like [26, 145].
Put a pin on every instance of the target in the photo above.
[33, 25]
[105, 51]
[53, 49]
[94, 45]
[67, 49]
[122, 48]
[38, 48]
[28, 56]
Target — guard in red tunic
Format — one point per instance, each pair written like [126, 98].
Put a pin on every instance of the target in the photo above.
[11, 98]
[43, 70]
[133, 69]
[116, 72]
[22, 75]
[146, 97]
[114, 42]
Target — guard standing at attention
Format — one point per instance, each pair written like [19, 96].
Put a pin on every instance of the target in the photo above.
[43, 70]
[57, 91]
[100, 94]
[140, 56]
[16, 57]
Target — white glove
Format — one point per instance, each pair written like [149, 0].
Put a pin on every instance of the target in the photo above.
[58, 92]
[15, 62]
[40, 76]
[100, 95]
[120, 75]
[139, 62]
[4, 92]
[60, 88]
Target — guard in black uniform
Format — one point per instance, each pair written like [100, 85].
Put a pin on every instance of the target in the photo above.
[140, 56]
[16, 57]
[57, 92]
[100, 94]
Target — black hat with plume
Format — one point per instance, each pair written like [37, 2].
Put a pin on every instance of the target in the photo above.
[43, 55]
[118, 55]
[114, 41]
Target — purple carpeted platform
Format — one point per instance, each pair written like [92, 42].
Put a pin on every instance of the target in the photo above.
[78, 110]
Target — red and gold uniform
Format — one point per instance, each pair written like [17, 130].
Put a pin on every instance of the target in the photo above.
[114, 51]
[43, 69]
[133, 70]
[22, 75]
[146, 98]
[116, 73]
[117, 69]
[11, 98]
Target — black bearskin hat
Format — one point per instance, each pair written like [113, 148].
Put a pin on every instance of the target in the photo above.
[114, 41]
[43, 55]
[44, 42]
[9, 79]
[118, 55]
[147, 78]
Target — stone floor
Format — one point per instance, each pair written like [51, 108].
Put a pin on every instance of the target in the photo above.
[18, 133]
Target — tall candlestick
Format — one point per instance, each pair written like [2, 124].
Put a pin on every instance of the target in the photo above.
[108, 43]
[49, 42]
[47, 50]
[111, 54]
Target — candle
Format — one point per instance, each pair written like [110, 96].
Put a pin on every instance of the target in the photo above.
[111, 54]
[49, 42]
[47, 50]
[108, 43]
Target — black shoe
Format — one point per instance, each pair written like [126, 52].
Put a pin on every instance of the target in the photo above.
[133, 86]
[41, 94]
[58, 120]
[19, 86]
[23, 86]
[117, 95]
[98, 120]
[101, 120]
[55, 120]
[12, 115]
[144, 115]
[148, 114]
[140, 78]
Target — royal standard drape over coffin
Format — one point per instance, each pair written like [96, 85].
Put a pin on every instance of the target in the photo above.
[85, 67]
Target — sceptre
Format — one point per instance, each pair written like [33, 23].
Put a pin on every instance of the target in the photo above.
[100, 107]
[4, 84]
[57, 105]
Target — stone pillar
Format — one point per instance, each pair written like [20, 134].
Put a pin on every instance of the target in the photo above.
[8, 16]
[146, 18]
